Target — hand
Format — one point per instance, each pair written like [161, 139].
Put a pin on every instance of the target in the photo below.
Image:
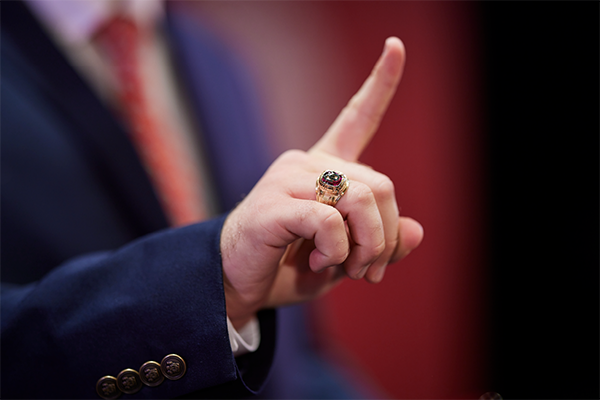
[280, 246]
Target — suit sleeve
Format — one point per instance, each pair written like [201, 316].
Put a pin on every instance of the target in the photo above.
[102, 313]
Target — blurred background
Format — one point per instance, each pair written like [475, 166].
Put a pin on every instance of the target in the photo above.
[492, 142]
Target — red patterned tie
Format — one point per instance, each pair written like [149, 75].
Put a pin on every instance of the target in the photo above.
[173, 179]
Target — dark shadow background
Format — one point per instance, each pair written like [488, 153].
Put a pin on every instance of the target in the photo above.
[542, 87]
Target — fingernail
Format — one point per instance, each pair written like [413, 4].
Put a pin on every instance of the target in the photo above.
[386, 45]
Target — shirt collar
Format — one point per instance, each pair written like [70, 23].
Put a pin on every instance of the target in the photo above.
[75, 21]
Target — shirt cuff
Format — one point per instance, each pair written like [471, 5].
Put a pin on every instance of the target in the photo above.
[246, 340]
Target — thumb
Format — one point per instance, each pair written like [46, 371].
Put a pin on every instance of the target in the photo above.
[353, 129]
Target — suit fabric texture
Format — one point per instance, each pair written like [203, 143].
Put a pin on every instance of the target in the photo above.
[93, 279]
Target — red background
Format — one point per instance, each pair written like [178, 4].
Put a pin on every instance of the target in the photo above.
[421, 333]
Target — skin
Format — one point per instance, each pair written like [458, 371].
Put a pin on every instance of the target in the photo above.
[280, 246]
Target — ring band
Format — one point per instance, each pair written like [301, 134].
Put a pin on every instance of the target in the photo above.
[331, 186]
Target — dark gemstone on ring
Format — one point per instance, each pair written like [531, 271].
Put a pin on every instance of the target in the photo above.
[331, 178]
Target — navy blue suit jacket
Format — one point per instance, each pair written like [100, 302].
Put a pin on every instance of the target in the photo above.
[94, 281]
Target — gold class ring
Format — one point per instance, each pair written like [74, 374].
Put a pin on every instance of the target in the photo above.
[331, 186]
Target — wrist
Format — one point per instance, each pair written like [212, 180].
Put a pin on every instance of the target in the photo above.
[238, 311]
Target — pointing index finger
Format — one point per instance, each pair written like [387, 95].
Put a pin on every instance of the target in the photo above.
[353, 129]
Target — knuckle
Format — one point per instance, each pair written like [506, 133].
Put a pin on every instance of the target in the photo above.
[377, 244]
[332, 219]
[393, 243]
[334, 222]
[292, 156]
[363, 194]
[304, 211]
[384, 187]
[378, 249]
[339, 256]
[373, 248]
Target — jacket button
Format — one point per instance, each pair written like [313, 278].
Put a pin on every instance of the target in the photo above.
[173, 367]
[129, 381]
[150, 374]
[106, 387]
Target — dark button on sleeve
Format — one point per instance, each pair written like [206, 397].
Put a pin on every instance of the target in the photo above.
[129, 381]
[151, 374]
[106, 387]
[173, 367]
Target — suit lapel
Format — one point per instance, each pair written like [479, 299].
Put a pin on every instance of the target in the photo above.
[96, 131]
[220, 98]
